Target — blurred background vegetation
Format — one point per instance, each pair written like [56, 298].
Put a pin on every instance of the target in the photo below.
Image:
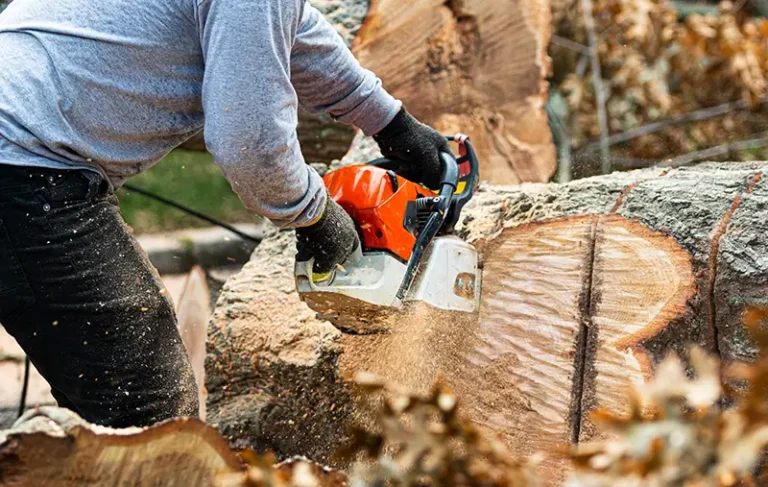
[189, 178]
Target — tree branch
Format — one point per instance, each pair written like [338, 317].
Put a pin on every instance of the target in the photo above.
[694, 116]
[597, 82]
[756, 142]
[571, 45]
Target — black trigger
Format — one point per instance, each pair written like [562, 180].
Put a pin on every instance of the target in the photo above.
[393, 180]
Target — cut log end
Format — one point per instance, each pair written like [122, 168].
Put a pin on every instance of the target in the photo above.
[549, 290]
[475, 67]
[50, 445]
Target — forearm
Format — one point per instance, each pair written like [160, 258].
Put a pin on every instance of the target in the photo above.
[328, 78]
[277, 184]
[250, 108]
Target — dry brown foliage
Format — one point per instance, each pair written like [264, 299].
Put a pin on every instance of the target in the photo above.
[425, 441]
[656, 66]
[677, 433]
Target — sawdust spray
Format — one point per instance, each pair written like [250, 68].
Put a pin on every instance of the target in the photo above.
[422, 346]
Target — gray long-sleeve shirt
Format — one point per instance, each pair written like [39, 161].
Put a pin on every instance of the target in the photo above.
[114, 85]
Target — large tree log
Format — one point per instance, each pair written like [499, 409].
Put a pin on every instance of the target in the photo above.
[477, 67]
[586, 286]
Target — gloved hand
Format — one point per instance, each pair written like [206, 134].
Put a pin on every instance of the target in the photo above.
[417, 145]
[330, 241]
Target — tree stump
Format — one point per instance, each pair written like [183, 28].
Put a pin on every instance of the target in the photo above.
[586, 286]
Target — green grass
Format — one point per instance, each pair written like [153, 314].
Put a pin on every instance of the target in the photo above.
[186, 177]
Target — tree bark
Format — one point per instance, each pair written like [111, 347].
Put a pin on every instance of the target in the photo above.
[586, 286]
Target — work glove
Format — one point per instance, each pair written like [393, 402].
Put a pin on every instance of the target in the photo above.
[416, 145]
[331, 240]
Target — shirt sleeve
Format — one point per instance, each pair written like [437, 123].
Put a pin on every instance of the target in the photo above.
[328, 78]
[250, 107]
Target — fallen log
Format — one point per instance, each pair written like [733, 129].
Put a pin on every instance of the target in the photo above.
[54, 447]
[587, 285]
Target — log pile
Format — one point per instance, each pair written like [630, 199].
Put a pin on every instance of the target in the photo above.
[586, 287]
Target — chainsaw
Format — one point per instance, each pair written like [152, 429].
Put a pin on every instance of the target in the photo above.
[408, 254]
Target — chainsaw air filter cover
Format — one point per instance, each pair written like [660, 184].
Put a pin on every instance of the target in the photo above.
[381, 204]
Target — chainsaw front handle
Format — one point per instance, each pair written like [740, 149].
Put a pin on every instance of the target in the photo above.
[305, 263]
[469, 179]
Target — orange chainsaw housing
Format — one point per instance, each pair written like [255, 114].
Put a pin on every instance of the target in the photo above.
[378, 209]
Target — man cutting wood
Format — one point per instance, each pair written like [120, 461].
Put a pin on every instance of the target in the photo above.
[94, 92]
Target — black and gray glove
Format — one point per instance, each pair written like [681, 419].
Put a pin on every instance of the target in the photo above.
[330, 241]
[417, 145]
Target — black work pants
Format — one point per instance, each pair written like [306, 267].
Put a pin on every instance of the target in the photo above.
[81, 298]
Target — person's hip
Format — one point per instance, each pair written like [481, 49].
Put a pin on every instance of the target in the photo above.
[55, 186]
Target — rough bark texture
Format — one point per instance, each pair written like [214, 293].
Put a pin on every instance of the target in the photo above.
[586, 286]
[54, 447]
[742, 271]
[271, 368]
[477, 67]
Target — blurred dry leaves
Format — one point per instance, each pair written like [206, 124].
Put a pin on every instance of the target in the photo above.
[415, 441]
[425, 441]
[677, 433]
[656, 66]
